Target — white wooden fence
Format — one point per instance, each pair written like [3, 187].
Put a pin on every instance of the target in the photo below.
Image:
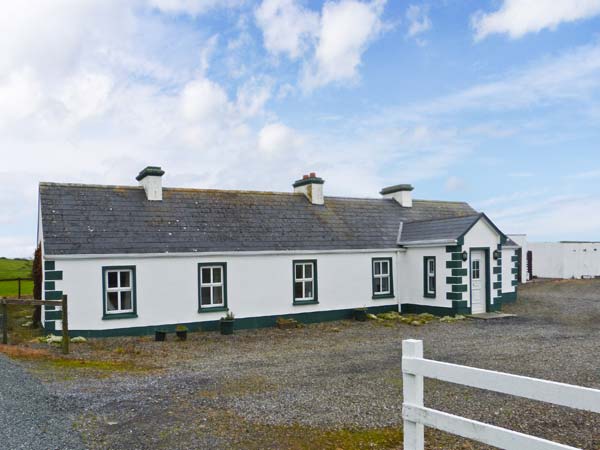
[416, 416]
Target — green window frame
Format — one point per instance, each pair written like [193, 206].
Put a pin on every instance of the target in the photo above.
[119, 292]
[429, 277]
[305, 286]
[382, 278]
[212, 287]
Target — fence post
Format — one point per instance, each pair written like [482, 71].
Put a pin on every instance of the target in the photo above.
[19, 281]
[65, 326]
[4, 323]
[414, 433]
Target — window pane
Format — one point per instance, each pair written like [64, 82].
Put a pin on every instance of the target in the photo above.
[308, 270]
[298, 290]
[431, 284]
[431, 266]
[217, 295]
[299, 273]
[126, 300]
[377, 285]
[112, 303]
[308, 289]
[125, 278]
[205, 296]
[216, 273]
[385, 284]
[206, 275]
[377, 268]
[113, 280]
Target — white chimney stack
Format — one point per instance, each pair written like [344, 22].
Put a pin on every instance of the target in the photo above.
[151, 179]
[312, 187]
[402, 193]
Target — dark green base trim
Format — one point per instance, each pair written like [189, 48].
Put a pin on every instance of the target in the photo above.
[305, 302]
[497, 306]
[509, 297]
[49, 327]
[240, 324]
[458, 307]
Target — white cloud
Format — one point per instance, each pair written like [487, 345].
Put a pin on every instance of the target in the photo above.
[203, 100]
[287, 27]
[347, 27]
[418, 19]
[519, 17]
[276, 138]
[455, 183]
[192, 7]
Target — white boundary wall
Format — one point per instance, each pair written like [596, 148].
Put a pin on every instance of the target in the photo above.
[565, 260]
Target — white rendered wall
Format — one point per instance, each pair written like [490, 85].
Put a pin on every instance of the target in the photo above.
[521, 240]
[565, 260]
[411, 276]
[167, 287]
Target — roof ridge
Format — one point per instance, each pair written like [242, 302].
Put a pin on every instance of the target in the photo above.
[478, 215]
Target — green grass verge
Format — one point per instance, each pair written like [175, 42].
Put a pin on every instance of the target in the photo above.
[15, 268]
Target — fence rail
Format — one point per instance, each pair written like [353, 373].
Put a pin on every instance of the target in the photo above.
[416, 416]
[18, 280]
[63, 304]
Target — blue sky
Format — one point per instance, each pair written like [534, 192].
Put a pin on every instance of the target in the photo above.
[492, 102]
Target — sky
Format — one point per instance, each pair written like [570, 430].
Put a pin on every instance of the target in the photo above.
[492, 102]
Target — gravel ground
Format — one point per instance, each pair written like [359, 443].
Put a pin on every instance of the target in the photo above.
[31, 418]
[335, 385]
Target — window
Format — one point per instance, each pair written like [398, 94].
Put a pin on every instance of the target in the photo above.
[212, 287]
[383, 285]
[305, 282]
[476, 269]
[119, 292]
[429, 276]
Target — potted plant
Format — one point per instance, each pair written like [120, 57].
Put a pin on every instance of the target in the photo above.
[181, 332]
[227, 323]
[160, 335]
[360, 314]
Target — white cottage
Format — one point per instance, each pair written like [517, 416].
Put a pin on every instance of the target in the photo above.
[134, 259]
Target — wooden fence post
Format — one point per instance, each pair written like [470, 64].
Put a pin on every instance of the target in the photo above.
[19, 282]
[414, 433]
[65, 326]
[4, 323]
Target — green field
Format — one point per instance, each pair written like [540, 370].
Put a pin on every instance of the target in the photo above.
[15, 268]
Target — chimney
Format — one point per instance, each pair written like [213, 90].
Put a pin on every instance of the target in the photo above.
[312, 187]
[151, 179]
[402, 193]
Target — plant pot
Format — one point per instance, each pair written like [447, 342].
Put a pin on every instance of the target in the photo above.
[360, 315]
[226, 326]
[160, 336]
[181, 335]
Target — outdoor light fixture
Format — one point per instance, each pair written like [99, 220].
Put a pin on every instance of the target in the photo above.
[496, 254]
[465, 256]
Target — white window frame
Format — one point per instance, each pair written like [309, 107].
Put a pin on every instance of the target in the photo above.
[381, 276]
[305, 280]
[119, 289]
[212, 285]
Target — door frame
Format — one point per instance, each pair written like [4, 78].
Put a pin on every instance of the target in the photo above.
[486, 254]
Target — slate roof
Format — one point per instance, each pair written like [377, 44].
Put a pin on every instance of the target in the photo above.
[90, 219]
[437, 230]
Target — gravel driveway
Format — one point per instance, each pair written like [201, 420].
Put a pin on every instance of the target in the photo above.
[31, 418]
[335, 385]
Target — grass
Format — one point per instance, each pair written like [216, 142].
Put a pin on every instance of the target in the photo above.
[15, 268]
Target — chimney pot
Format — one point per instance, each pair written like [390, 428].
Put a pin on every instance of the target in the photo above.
[312, 188]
